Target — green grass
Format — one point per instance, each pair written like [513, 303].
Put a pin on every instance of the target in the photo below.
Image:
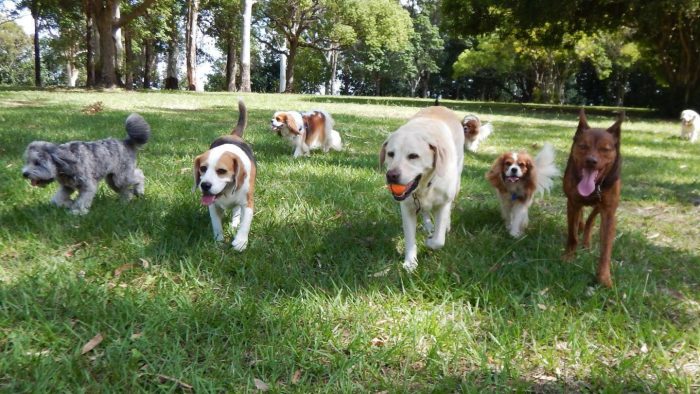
[318, 301]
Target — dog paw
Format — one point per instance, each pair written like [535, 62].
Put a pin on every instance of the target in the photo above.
[432, 243]
[410, 264]
[240, 244]
[605, 280]
[515, 233]
[219, 237]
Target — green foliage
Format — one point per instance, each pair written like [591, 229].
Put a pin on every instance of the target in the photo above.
[16, 61]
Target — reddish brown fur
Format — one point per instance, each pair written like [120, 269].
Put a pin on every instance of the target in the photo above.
[471, 128]
[289, 121]
[602, 147]
[315, 124]
[527, 166]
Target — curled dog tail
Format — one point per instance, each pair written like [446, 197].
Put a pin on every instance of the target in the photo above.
[137, 129]
[485, 130]
[546, 168]
[242, 119]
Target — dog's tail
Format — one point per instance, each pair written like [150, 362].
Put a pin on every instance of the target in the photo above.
[137, 130]
[546, 168]
[242, 119]
[485, 130]
[328, 122]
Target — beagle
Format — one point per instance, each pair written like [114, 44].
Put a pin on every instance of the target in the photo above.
[225, 174]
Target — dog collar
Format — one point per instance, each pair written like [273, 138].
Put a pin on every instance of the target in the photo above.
[514, 196]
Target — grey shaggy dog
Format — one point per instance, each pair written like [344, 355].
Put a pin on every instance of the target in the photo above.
[80, 165]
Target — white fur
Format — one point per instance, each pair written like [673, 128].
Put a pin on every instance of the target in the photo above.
[485, 131]
[690, 125]
[437, 188]
[236, 199]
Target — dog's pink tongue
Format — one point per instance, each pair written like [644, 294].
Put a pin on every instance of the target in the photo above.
[587, 184]
[208, 199]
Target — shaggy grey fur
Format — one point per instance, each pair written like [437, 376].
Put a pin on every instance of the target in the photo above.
[79, 166]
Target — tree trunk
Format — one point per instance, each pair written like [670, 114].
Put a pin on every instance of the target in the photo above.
[425, 83]
[283, 69]
[90, 48]
[118, 47]
[37, 52]
[334, 70]
[128, 60]
[191, 43]
[147, 55]
[231, 65]
[245, 46]
[291, 59]
[171, 80]
[72, 73]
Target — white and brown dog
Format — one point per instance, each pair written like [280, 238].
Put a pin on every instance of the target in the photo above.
[307, 131]
[225, 174]
[690, 125]
[424, 160]
[517, 178]
[475, 132]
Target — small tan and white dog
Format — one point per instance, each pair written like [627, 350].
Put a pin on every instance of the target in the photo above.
[307, 131]
[690, 125]
[517, 178]
[424, 160]
[225, 174]
[475, 132]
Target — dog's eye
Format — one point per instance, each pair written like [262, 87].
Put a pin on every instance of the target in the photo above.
[203, 169]
[390, 154]
[521, 164]
[583, 146]
[412, 156]
[221, 171]
[508, 163]
[36, 163]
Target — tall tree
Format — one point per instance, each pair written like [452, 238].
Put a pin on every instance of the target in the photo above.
[191, 43]
[245, 46]
[171, 77]
[222, 21]
[104, 12]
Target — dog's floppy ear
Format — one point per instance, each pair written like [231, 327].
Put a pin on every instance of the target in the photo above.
[64, 160]
[197, 163]
[239, 170]
[582, 123]
[615, 128]
[292, 124]
[495, 174]
[439, 159]
[382, 156]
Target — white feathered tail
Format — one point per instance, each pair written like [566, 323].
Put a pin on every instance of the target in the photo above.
[333, 140]
[485, 130]
[546, 168]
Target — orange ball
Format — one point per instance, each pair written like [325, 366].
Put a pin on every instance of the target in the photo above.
[397, 189]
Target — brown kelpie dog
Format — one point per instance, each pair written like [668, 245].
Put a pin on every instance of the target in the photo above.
[592, 178]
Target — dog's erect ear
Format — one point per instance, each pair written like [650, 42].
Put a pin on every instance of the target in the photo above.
[582, 123]
[439, 160]
[382, 156]
[615, 129]
[64, 160]
[195, 171]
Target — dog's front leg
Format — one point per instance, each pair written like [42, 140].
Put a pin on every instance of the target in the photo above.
[409, 221]
[573, 216]
[215, 213]
[607, 237]
[519, 219]
[427, 222]
[442, 223]
[236, 217]
[241, 241]
[62, 197]
[82, 204]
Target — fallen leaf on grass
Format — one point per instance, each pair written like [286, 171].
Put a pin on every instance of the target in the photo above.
[377, 342]
[260, 385]
[185, 170]
[381, 273]
[644, 349]
[178, 382]
[93, 108]
[296, 377]
[144, 263]
[542, 307]
[122, 268]
[136, 335]
[74, 248]
[91, 344]
[544, 291]
[561, 346]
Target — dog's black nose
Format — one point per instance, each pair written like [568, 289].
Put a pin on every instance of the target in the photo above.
[25, 174]
[392, 176]
[205, 186]
[591, 161]
[513, 170]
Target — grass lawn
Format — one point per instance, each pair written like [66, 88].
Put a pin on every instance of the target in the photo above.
[319, 301]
